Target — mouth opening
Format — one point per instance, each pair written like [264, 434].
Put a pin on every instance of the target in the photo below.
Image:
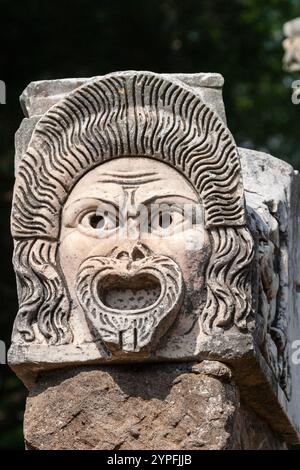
[134, 293]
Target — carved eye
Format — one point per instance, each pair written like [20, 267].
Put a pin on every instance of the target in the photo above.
[166, 220]
[98, 221]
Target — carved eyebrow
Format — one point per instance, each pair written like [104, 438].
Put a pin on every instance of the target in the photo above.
[93, 198]
[145, 201]
[166, 196]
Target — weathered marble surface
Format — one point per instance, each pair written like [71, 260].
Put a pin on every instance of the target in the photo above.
[178, 406]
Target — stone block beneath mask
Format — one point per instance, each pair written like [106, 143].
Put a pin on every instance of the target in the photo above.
[175, 406]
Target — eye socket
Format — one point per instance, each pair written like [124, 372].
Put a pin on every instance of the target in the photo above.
[97, 221]
[165, 219]
[162, 220]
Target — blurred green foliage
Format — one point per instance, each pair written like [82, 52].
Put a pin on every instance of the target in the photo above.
[241, 39]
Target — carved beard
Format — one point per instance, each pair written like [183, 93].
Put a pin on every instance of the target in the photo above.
[131, 304]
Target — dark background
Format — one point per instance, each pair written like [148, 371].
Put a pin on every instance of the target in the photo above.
[240, 39]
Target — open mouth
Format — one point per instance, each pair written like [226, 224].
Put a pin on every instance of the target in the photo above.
[133, 293]
[125, 302]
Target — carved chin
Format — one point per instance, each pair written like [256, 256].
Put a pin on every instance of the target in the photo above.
[130, 304]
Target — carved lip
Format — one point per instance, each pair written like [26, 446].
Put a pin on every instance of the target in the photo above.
[129, 292]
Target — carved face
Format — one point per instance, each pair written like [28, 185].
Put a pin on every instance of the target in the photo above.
[133, 250]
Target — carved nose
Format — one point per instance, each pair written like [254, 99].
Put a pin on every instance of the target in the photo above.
[137, 254]
[123, 255]
[139, 251]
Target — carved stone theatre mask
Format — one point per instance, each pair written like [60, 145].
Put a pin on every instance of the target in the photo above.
[129, 221]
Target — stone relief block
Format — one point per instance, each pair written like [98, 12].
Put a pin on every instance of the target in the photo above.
[142, 233]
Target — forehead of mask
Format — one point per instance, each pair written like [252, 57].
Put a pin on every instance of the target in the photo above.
[142, 180]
